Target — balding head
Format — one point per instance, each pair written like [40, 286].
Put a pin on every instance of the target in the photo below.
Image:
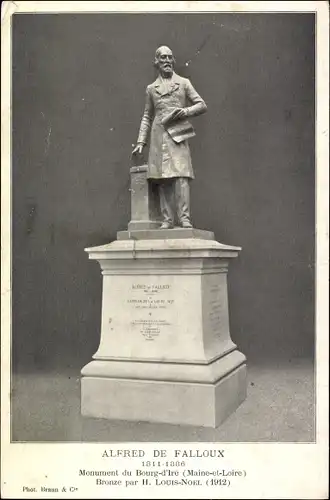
[163, 50]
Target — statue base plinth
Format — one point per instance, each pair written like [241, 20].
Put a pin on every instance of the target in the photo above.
[165, 353]
[160, 234]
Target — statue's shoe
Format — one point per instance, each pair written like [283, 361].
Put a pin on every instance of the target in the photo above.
[186, 224]
[166, 225]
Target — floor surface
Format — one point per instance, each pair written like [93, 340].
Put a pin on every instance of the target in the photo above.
[279, 408]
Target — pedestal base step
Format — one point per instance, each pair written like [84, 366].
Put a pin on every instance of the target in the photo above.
[164, 234]
[181, 403]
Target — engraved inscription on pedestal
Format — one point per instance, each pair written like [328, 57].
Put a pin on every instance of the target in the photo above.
[216, 308]
[149, 305]
[156, 318]
[215, 313]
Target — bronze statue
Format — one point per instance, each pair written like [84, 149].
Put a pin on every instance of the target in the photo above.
[166, 113]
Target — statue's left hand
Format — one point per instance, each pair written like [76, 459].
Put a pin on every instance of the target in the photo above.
[180, 113]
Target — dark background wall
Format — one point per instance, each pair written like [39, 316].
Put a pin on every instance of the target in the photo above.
[78, 95]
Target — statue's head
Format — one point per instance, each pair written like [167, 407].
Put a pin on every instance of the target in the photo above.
[164, 60]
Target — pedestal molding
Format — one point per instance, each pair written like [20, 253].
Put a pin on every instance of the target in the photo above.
[195, 373]
[177, 361]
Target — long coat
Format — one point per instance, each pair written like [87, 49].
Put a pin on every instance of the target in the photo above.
[167, 158]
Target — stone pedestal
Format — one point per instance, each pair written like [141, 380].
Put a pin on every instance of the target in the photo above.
[165, 352]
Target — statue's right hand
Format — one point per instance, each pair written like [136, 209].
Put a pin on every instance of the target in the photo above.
[138, 149]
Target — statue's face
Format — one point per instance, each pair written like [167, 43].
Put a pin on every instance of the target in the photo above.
[165, 61]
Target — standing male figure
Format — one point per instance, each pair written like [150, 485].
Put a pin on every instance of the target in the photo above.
[169, 161]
